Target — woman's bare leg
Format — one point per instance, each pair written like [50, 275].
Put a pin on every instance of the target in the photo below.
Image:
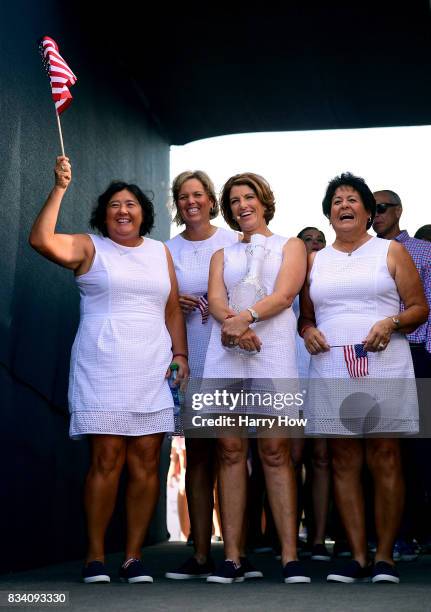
[232, 483]
[347, 462]
[384, 462]
[275, 454]
[200, 476]
[320, 483]
[107, 460]
[143, 487]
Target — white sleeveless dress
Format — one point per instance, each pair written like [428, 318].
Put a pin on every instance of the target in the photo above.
[275, 367]
[122, 349]
[350, 293]
[192, 261]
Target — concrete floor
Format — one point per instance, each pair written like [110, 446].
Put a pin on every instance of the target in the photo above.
[268, 594]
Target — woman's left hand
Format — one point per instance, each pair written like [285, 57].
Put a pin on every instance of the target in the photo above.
[233, 328]
[379, 336]
[183, 371]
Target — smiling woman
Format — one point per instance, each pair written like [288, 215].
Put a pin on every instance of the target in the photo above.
[125, 212]
[195, 205]
[265, 329]
[353, 328]
[131, 324]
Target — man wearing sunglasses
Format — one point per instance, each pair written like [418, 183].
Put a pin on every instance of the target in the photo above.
[417, 453]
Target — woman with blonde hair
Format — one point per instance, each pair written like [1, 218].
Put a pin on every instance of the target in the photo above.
[195, 205]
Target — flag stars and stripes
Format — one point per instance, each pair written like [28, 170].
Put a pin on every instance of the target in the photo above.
[59, 73]
[203, 307]
[356, 358]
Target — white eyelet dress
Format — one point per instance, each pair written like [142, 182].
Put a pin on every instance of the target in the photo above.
[275, 367]
[192, 262]
[350, 293]
[122, 349]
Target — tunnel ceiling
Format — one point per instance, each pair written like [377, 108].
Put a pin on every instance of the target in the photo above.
[209, 69]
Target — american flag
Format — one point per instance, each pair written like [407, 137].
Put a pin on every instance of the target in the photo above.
[203, 307]
[59, 73]
[356, 358]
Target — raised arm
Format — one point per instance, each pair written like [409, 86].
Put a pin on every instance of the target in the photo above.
[175, 323]
[73, 251]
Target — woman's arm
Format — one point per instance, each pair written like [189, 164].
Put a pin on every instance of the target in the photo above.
[314, 341]
[217, 294]
[174, 320]
[219, 307]
[73, 251]
[410, 289]
[289, 281]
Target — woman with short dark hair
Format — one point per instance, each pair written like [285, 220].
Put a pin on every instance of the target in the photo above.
[361, 373]
[131, 328]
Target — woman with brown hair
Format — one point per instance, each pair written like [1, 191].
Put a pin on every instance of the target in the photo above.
[266, 330]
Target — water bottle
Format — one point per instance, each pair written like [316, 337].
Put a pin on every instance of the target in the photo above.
[175, 389]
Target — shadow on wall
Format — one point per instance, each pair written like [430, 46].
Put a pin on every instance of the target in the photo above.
[107, 135]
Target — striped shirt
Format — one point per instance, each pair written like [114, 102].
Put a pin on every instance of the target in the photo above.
[420, 252]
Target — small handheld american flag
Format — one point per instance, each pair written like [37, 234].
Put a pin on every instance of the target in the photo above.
[356, 358]
[203, 307]
[59, 73]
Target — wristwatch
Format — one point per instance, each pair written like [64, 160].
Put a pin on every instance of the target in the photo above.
[254, 315]
[396, 322]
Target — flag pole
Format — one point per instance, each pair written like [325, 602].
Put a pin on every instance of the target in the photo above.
[60, 133]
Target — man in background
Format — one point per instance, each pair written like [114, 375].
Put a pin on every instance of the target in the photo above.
[417, 452]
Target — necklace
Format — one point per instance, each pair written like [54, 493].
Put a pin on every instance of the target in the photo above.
[120, 248]
[198, 245]
[349, 253]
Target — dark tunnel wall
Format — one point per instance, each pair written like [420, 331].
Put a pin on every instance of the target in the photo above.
[107, 135]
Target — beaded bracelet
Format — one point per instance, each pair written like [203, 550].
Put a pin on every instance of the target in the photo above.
[180, 355]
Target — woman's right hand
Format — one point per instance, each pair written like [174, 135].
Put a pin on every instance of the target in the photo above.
[188, 303]
[315, 342]
[63, 172]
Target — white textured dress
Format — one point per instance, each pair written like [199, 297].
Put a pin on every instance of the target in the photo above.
[350, 293]
[276, 361]
[192, 261]
[122, 349]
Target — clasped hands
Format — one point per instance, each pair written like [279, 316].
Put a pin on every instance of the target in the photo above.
[235, 331]
[377, 339]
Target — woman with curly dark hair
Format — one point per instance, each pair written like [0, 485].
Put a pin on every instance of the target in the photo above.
[361, 373]
[131, 328]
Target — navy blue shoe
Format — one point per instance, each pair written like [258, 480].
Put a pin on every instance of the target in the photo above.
[351, 572]
[385, 572]
[95, 571]
[191, 569]
[319, 552]
[227, 572]
[133, 571]
[249, 570]
[293, 573]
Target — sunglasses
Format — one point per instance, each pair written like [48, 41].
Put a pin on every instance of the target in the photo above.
[382, 208]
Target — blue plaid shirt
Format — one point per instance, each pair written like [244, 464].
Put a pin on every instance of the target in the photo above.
[420, 252]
